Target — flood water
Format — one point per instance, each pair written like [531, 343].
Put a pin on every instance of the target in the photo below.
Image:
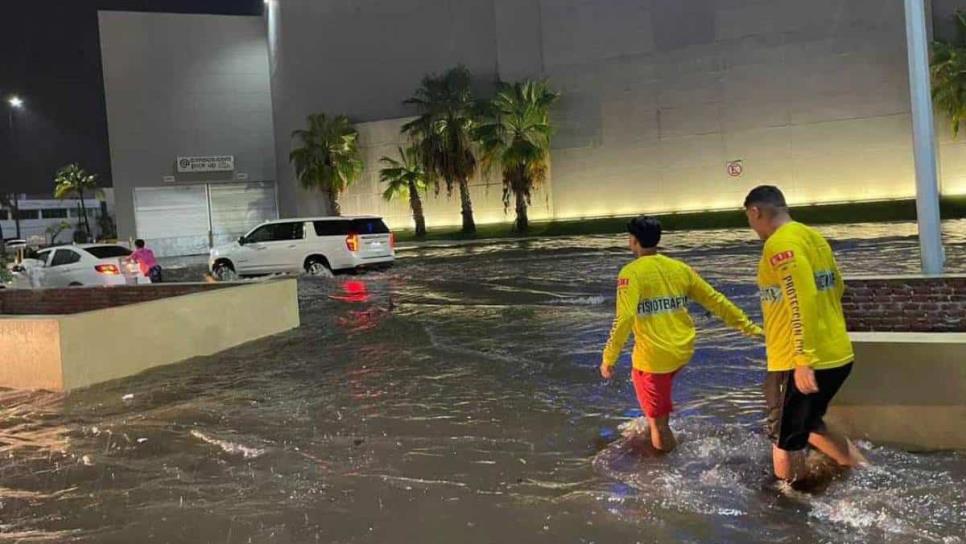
[456, 398]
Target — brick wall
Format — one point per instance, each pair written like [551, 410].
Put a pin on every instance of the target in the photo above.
[906, 304]
[83, 299]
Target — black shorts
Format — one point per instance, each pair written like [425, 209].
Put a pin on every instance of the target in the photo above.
[792, 415]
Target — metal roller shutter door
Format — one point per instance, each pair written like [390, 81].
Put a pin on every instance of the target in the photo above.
[238, 207]
[173, 220]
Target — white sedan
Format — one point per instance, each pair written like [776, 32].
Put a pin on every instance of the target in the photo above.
[87, 264]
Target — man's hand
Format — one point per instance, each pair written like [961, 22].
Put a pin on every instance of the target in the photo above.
[606, 372]
[805, 380]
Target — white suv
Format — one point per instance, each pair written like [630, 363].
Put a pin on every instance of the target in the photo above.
[317, 246]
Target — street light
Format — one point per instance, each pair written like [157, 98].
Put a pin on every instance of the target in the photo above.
[16, 103]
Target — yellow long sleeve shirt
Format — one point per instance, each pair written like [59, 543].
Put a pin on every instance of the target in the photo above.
[801, 301]
[653, 294]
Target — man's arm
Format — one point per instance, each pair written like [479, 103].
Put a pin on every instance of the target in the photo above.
[719, 304]
[797, 282]
[628, 294]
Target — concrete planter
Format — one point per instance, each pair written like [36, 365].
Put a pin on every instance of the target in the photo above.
[907, 389]
[172, 323]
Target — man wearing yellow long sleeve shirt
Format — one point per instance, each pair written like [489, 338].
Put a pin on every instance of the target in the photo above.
[809, 352]
[653, 294]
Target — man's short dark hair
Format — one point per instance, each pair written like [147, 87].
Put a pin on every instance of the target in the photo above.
[139, 243]
[766, 195]
[646, 229]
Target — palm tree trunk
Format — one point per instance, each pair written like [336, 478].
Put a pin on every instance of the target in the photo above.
[469, 225]
[334, 207]
[523, 222]
[416, 204]
[87, 223]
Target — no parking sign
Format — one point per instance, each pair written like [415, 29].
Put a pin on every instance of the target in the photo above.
[735, 168]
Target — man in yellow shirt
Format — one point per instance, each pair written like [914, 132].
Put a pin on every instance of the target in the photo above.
[809, 352]
[653, 294]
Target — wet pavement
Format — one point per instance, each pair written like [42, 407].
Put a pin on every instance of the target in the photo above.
[455, 398]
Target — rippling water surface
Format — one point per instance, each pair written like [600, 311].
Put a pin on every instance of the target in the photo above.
[455, 399]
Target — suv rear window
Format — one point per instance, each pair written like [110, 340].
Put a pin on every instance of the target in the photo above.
[331, 228]
[344, 227]
[107, 252]
[368, 226]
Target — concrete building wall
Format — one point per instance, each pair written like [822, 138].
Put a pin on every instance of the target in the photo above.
[657, 96]
[184, 85]
[812, 96]
[363, 58]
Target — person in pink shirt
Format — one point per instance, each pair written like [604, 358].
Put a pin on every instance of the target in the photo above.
[146, 262]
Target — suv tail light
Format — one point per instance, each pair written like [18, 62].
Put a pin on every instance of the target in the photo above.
[352, 242]
[392, 240]
[108, 269]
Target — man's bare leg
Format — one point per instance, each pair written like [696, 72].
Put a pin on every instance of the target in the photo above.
[838, 447]
[789, 465]
[661, 436]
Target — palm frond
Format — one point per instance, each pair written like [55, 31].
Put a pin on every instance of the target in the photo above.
[327, 157]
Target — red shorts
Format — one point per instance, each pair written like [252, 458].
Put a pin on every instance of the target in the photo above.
[653, 392]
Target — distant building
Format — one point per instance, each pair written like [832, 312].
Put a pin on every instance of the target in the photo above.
[45, 220]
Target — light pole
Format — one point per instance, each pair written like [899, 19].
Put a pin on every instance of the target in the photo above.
[923, 140]
[15, 103]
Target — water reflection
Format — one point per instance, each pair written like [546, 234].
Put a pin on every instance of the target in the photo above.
[455, 398]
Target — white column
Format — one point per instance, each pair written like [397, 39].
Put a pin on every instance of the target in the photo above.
[923, 140]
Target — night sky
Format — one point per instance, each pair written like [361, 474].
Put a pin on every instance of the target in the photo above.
[51, 58]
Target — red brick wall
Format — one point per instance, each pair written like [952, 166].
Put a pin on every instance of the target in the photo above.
[906, 304]
[83, 299]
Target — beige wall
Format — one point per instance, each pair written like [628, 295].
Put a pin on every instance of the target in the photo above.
[30, 354]
[812, 96]
[907, 389]
[68, 352]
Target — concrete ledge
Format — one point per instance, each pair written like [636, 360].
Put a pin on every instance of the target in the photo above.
[907, 389]
[64, 352]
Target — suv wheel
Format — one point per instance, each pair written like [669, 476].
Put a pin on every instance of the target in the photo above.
[224, 272]
[318, 267]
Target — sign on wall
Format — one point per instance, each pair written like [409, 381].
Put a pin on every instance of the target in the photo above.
[214, 163]
[735, 168]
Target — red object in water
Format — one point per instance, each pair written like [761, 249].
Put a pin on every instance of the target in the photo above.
[355, 287]
[355, 291]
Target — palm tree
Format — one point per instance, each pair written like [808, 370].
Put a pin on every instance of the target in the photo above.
[443, 134]
[948, 67]
[406, 177]
[74, 181]
[515, 134]
[328, 159]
